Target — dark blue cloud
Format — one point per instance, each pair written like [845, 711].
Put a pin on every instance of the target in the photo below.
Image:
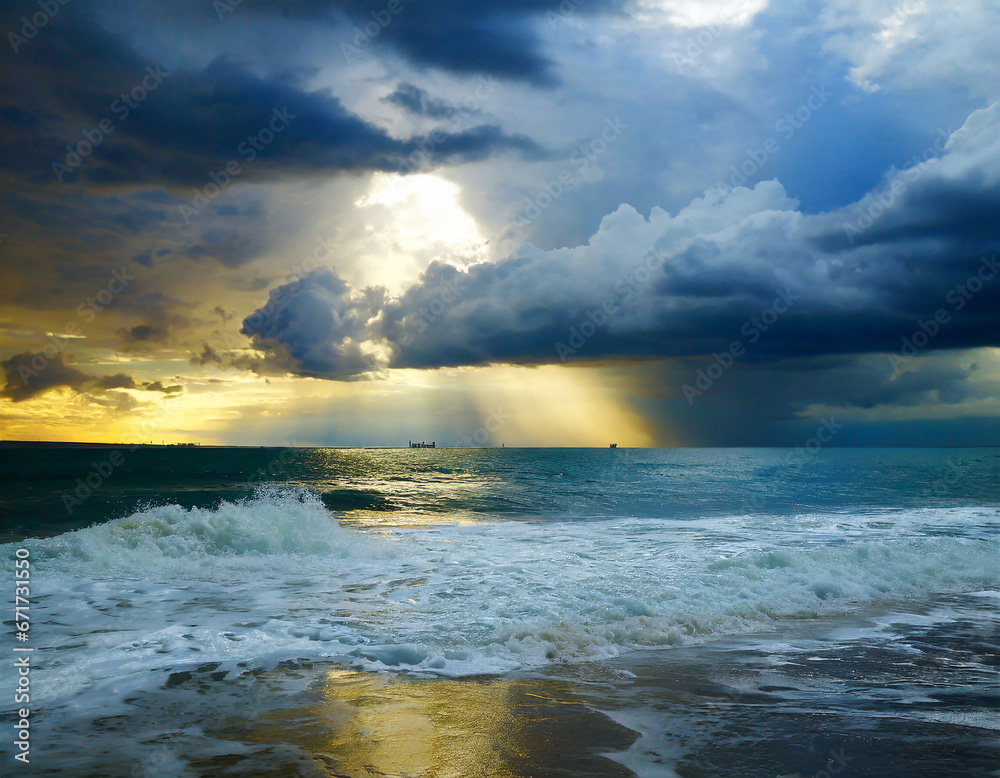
[833, 284]
[418, 101]
[190, 123]
[317, 325]
[488, 36]
[29, 375]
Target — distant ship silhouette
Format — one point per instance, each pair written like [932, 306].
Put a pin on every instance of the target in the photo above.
[422, 445]
[614, 445]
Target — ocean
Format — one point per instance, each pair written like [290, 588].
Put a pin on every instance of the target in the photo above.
[203, 611]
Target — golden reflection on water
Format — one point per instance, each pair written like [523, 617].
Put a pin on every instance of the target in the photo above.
[414, 489]
[378, 724]
[438, 727]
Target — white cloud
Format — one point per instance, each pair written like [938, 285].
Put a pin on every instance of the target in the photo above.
[915, 45]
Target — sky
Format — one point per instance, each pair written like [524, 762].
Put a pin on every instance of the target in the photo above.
[502, 222]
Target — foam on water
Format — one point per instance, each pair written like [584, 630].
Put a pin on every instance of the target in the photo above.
[275, 578]
[169, 538]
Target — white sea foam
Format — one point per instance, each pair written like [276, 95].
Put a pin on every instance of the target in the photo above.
[276, 578]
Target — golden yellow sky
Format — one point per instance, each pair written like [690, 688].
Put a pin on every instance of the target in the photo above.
[517, 406]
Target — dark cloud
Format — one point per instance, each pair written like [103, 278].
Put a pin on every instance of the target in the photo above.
[723, 260]
[158, 386]
[419, 102]
[487, 36]
[208, 356]
[103, 383]
[191, 123]
[747, 267]
[492, 36]
[319, 324]
[159, 331]
[143, 333]
[782, 402]
[30, 374]
[229, 247]
[276, 362]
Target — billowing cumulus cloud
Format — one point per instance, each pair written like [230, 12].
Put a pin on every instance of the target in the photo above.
[319, 324]
[914, 43]
[740, 265]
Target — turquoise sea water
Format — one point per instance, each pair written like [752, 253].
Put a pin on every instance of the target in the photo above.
[770, 593]
[43, 487]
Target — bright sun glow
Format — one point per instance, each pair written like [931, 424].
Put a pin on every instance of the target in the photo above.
[692, 13]
[415, 220]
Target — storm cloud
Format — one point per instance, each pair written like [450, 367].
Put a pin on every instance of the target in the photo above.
[786, 207]
[176, 127]
[28, 375]
[742, 265]
[489, 36]
[319, 324]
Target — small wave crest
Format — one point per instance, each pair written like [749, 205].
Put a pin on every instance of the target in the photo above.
[273, 522]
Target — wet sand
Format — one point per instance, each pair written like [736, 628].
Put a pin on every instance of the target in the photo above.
[912, 693]
[374, 724]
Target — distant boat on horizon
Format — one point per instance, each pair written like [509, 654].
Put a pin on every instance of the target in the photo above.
[423, 445]
[614, 445]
